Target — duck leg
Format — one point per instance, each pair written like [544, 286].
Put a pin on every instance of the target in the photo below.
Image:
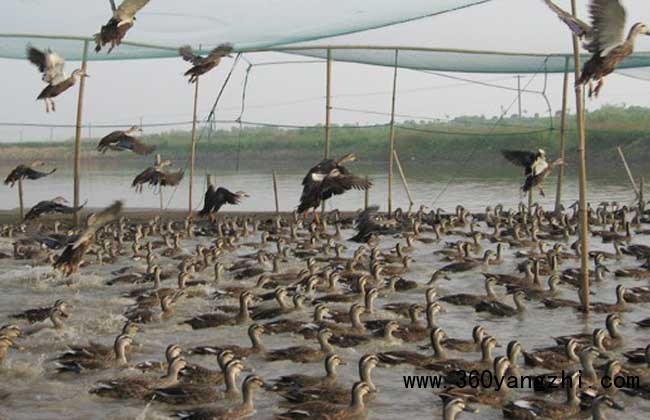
[541, 191]
[53, 105]
[591, 88]
[599, 86]
[47, 106]
[316, 217]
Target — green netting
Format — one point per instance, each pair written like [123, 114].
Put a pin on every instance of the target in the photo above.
[171, 23]
[459, 60]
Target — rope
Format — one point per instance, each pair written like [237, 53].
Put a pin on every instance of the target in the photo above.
[241, 113]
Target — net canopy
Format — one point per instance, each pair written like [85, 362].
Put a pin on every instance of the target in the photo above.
[164, 25]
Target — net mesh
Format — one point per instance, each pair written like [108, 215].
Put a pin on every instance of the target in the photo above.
[163, 25]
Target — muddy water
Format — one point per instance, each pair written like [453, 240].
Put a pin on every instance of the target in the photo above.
[37, 392]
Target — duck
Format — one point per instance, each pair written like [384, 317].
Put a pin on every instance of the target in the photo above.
[299, 380]
[466, 299]
[244, 410]
[416, 359]
[450, 367]
[304, 354]
[619, 306]
[200, 375]
[553, 359]
[147, 315]
[598, 407]
[298, 304]
[255, 332]
[530, 408]
[327, 179]
[468, 265]
[216, 319]
[23, 172]
[301, 327]
[51, 65]
[171, 352]
[453, 407]
[467, 346]
[335, 393]
[496, 308]
[43, 313]
[55, 320]
[492, 396]
[121, 140]
[122, 19]
[5, 344]
[323, 410]
[194, 394]
[200, 64]
[79, 360]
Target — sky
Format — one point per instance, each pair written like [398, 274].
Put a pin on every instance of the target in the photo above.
[155, 91]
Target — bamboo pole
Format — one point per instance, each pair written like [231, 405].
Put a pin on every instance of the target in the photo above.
[275, 193]
[193, 154]
[392, 140]
[20, 200]
[563, 123]
[328, 111]
[627, 169]
[328, 103]
[366, 197]
[77, 136]
[403, 177]
[162, 201]
[584, 222]
[641, 194]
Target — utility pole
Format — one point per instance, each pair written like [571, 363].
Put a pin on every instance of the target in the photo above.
[519, 94]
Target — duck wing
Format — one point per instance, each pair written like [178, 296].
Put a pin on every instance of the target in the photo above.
[608, 19]
[128, 9]
[579, 27]
[519, 157]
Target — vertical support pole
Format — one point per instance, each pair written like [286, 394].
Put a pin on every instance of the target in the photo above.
[20, 200]
[403, 177]
[530, 202]
[366, 197]
[193, 153]
[162, 200]
[275, 193]
[77, 135]
[328, 103]
[641, 194]
[563, 123]
[519, 94]
[584, 222]
[328, 110]
[392, 140]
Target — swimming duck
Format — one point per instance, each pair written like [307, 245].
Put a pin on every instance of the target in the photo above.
[56, 318]
[197, 374]
[80, 359]
[42, 313]
[492, 396]
[530, 408]
[304, 354]
[255, 332]
[200, 64]
[119, 24]
[244, 410]
[454, 407]
[171, 352]
[324, 410]
[414, 358]
[619, 306]
[216, 319]
[466, 299]
[182, 394]
[450, 367]
[501, 309]
[300, 380]
[327, 179]
[51, 65]
[138, 387]
[553, 359]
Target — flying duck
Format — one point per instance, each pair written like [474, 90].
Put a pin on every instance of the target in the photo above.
[536, 166]
[156, 175]
[214, 199]
[56, 205]
[605, 39]
[200, 64]
[71, 257]
[119, 24]
[51, 65]
[327, 179]
[21, 172]
[121, 140]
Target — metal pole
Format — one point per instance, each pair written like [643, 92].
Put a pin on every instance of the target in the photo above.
[392, 140]
[403, 177]
[584, 222]
[519, 94]
[563, 123]
[77, 136]
[275, 193]
[193, 154]
[627, 169]
[20, 199]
